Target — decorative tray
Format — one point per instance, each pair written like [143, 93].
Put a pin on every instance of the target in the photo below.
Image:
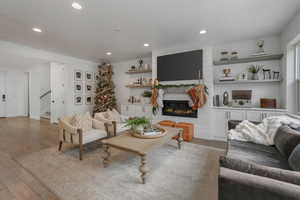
[155, 132]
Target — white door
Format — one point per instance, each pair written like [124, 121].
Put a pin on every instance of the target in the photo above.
[3, 94]
[57, 75]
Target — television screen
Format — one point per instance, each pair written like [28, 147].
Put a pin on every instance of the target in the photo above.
[180, 66]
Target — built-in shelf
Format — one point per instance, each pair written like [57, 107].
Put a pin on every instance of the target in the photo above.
[250, 59]
[139, 71]
[139, 86]
[246, 82]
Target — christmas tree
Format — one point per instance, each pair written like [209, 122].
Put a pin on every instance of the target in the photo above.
[105, 95]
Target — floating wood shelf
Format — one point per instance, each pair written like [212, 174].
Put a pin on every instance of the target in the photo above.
[246, 82]
[250, 59]
[139, 71]
[139, 86]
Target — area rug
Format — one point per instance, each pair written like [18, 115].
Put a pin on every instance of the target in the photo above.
[186, 174]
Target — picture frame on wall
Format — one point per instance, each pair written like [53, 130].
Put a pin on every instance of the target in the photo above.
[78, 99]
[78, 87]
[89, 76]
[88, 100]
[89, 88]
[78, 75]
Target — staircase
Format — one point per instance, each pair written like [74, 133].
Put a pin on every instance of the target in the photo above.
[45, 100]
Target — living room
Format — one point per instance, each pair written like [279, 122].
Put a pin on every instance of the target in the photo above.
[110, 100]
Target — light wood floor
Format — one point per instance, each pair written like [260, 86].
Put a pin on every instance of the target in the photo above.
[22, 136]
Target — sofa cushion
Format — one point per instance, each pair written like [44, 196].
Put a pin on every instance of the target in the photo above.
[83, 121]
[256, 153]
[260, 170]
[286, 139]
[294, 159]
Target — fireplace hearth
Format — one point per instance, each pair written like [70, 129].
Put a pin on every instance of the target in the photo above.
[178, 108]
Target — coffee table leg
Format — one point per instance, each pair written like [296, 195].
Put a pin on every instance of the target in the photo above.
[179, 139]
[106, 156]
[143, 168]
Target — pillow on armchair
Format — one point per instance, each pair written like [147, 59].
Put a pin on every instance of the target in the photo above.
[85, 122]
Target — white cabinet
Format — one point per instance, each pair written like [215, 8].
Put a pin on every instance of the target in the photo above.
[254, 116]
[236, 115]
[220, 124]
[136, 110]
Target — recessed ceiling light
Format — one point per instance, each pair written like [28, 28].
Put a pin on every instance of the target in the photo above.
[108, 53]
[146, 45]
[76, 5]
[203, 31]
[37, 30]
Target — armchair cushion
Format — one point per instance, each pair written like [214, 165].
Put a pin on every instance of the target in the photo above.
[294, 159]
[93, 135]
[104, 117]
[98, 124]
[83, 122]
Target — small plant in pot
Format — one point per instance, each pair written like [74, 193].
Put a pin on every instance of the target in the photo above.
[254, 69]
[138, 124]
[147, 95]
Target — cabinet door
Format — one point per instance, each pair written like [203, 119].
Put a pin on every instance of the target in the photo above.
[254, 116]
[236, 115]
[273, 114]
[220, 127]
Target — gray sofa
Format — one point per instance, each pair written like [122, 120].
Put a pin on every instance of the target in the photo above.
[258, 172]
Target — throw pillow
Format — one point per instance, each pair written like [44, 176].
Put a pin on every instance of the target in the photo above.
[294, 159]
[286, 139]
[84, 122]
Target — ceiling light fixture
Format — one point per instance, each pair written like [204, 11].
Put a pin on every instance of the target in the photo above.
[38, 30]
[108, 53]
[203, 32]
[146, 45]
[76, 5]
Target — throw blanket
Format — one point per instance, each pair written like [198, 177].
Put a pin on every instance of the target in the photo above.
[263, 133]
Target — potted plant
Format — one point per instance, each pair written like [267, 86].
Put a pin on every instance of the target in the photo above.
[147, 96]
[254, 69]
[138, 124]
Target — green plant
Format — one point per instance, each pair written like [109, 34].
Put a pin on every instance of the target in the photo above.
[255, 68]
[147, 94]
[137, 122]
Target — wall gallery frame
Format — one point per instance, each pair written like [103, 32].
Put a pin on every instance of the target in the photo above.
[89, 88]
[78, 87]
[78, 75]
[96, 76]
[89, 76]
[78, 99]
[88, 100]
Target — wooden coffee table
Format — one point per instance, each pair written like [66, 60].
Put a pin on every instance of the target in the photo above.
[141, 147]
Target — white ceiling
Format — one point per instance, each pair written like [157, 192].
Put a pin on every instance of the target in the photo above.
[90, 33]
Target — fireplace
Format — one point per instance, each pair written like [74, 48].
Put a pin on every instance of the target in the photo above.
[178, 108]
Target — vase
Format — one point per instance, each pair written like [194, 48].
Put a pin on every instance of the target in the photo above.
[255, 76]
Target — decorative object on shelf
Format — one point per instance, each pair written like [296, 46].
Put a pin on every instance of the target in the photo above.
[216, 100]
[132, 68]
[78, 99]
[105, 95]
[225, 98]
[88, 100]
[243, 76]
[89, 76]
[267, 74]
[268, 103]
[241, 98]
[198, 96]
[78, 87]
[226, 76]
[138, 124]
[276, 75]
[261, 52]
[147, 96]
[254, 69]
[78, 75]
[140, 62]
[224, 56]
[234, 55]
[134, 99]
[147, 67]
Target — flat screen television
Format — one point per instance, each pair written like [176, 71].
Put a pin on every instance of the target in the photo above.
[180, 66]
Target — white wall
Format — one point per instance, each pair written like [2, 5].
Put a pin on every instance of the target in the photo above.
[289, 37]
[121, 79]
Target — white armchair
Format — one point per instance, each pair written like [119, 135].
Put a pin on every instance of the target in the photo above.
[113, 120]
[68, 133]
